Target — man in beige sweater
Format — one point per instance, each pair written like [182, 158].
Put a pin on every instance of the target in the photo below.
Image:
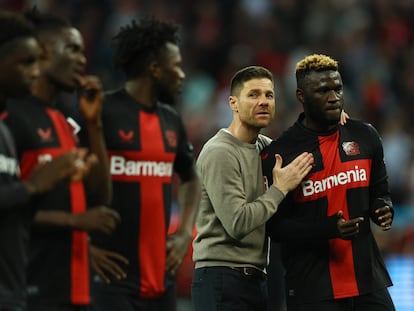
[230, 248]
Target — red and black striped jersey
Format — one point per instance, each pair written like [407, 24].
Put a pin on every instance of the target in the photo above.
[145, 147]
[42, 133]
[349, 175]
[15, 221]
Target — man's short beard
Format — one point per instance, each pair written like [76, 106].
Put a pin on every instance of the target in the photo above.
[165, 96]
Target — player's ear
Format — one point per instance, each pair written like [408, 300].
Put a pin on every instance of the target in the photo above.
[155, 69]
[233, 103]
[299, 95]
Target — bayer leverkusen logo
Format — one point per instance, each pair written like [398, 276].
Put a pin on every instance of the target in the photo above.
[351, 148]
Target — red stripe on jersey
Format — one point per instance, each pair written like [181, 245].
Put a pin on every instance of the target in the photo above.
[333, 182]
[152, 231]
[80, 292]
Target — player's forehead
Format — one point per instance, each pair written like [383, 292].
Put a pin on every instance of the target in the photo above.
[261, 83]
[322, 78]
[18, 49]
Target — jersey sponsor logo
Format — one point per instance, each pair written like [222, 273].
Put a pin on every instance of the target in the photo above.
[43, 158]
[310, 187]
[126, 137]
[351, 148]
[9, 165]
[120, 166]
[45, 135]
[171, 138]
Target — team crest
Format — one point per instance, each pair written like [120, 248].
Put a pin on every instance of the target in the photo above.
[351, 148]
[171, 138]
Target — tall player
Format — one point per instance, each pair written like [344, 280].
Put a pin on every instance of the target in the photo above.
[59, 237]
[147, 143]
[330, 255]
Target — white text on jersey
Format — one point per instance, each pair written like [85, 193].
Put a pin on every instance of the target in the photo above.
[310, 187]
[120, 166]
[9, 165]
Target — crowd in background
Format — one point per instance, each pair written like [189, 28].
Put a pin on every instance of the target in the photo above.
[372, 39]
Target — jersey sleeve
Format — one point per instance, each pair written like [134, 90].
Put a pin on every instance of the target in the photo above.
[283, 227]
[379, 187]
[184, 160]
[13, 194]
[12, 191]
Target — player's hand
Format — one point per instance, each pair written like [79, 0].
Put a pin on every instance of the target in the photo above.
[73, 164]
[90, 98]
[343, 118]
[289, 177]
[106, 264]
[83, 164]
[97, 219]
[177, 247]
[383, 217]
[348, 229]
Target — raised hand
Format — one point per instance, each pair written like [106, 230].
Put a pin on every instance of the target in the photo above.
[289, 177]
[90, 98]
[47, 174]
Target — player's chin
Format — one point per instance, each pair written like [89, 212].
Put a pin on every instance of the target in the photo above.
[333, 118]
[264, 122]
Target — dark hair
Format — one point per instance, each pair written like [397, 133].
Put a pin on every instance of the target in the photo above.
[247, 74]
[45, 22]
[315, 62]
[13, 26]
[141, 42]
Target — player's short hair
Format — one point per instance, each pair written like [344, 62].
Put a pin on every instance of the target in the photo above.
[141, 42]
[247, 74]
[311, 63]
[46, 22]
[13, 26]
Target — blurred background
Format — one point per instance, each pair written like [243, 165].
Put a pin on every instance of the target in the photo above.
[372, 40]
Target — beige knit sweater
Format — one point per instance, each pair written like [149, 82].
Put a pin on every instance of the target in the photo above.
[234, 205]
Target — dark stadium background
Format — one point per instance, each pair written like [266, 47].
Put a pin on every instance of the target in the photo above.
[372, 39]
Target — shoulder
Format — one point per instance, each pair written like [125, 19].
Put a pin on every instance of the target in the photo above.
[361, 127]
[168, 110]
[221, 145]
[113, 95]
[20, 104]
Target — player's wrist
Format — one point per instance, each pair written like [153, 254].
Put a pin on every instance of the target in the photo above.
[95, 123]
[30, 187]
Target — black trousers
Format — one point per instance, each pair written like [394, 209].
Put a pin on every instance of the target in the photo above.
[104, 300]
[225, 289]
[55, 307]
[377, 301]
